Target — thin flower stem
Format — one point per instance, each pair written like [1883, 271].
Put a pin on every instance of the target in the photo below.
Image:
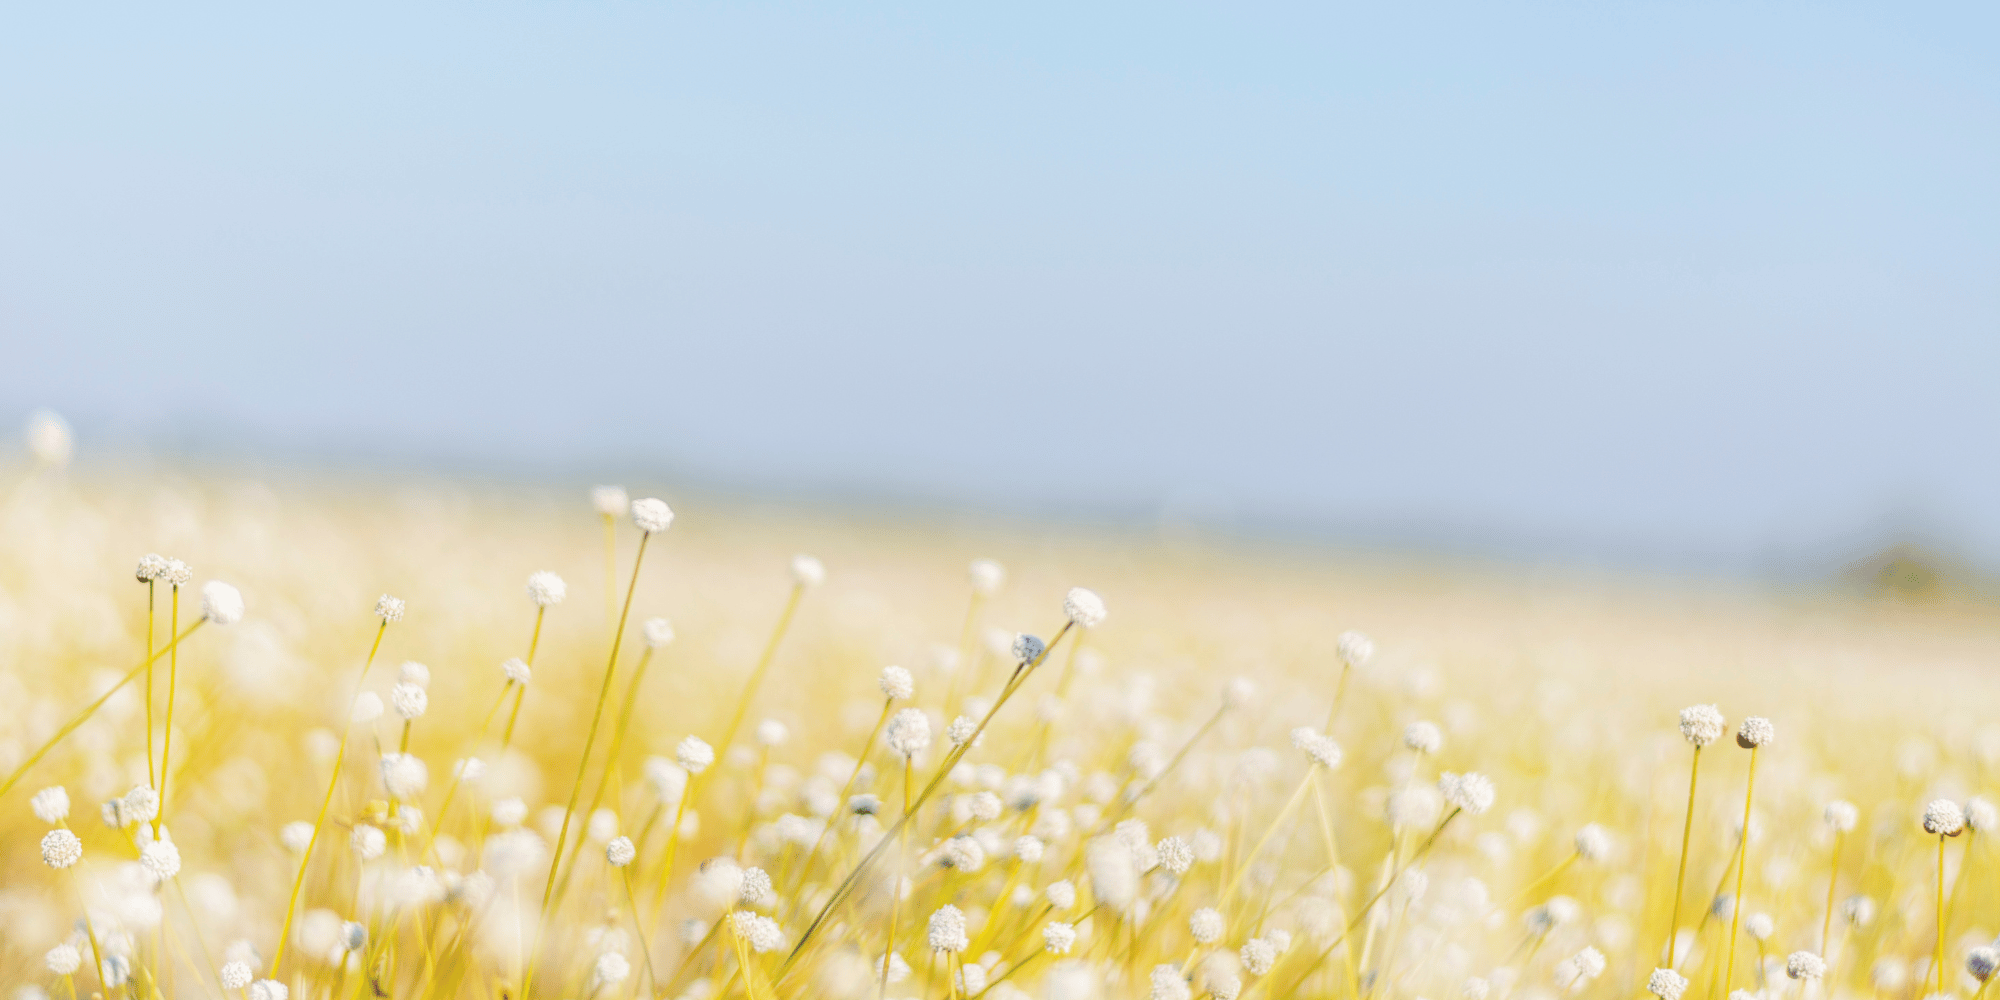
[1937, 962]
[618, 730]
[1358, 917]
[91, 709]
[152, 776]
[763, 665]
[840, 807]
[632, 900]
[896, 881]
[1339, 696]
[332, 784]
[167, 735]
[1680, 881]
[1278, 821]
[1742, 866]
[1832, 880]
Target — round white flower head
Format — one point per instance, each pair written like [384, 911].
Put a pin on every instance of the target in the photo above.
[367, 707]
[897, 683]
[1224, 985]
[295, 835]
[141, 804]
[389, 609]
[1027, 648]
[620, 851]
[178, 573]
[652, 515]
[49, 438]
[1322, 749]
[63, 959]
[1238, 692]
[771, 732]
[1475, 988]
[469, 769]
[611, 969]
[235, 975]
[269, 989]
[546, 589]
[961, 730]
[659, 632]
[1982, 962]
[405, 776]
[947, 930]
[61, 848]
[1982, 814]
[1205, 924]
[694, 755]
[1176, 855]
[1702, 725]
[1258, 956]
[1943, 817]
[987, 576]
[610, 501]
[161, 859]
[1169, 984]
[1028, 849]
[409, 700]
[807, 571]
[1471, 791]
[368, 842]
[1280, 939]
[762, 932]
[1760, 926]
[221, 603]
[1423, 737]
[1584, 966]
[1756, 731]
[1593, 843]
[1841, 815]
[1355, 648]
[1666, 983]
[412, 672]
[756, 888]
[516, 671]
[1060, 895]
[510, 812]
[51, 804]
[1857, 910]
[909, 732]
[152, 566]
[1058, 937]
[1084, 608]
[1804, 965]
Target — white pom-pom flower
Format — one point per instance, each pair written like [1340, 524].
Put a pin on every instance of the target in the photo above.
[409, 700]
[517, 671]
[1258, 956]
[161, 860]
[620, 851]
[389, 609]
[909, 732]
[235, 975]
[1471, 792]
[987, 576]
[1027, 648]
[1702, 725]
[659, 633]
[1841, 815]
[1321, 749]
[1423, 737]
[221, 604]
[1804, 965]
[546, 589]
[947, 930]
[50, 805]
[368, 842]
[178, 573]
[652, 514]
[1354, 648]
[1083, 608]
[1756, 731]
[1058, 937]
[807, 571]
[1593, 843]
[61, 848]
[1205, 925]
[694, 755]
[152, 566]
[897, 683]
[63, 959]
[269, 989]
[412, 672]
[1666, 983]
[610, 501]
[1982, 962]
[1944, 818]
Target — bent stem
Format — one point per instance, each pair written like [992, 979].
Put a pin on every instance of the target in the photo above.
[319, 823]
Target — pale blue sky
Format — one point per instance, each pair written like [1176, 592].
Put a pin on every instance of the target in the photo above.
[1691, 284]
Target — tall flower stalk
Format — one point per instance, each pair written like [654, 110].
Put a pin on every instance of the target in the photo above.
[1700, 726]
[1755, 733]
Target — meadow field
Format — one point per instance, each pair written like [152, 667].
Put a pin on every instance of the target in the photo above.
[465, 740]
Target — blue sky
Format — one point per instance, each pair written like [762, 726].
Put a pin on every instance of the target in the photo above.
[1702, 284]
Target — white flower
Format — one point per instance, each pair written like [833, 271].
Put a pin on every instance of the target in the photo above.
[1593, 843]
[620, 852]
[1027, 648]
[178, 573]
[1471, 792]
[1857, 910]
[771, 732]
[807, 571]
[389, 609]
[221, 603]
[987, 576]
[161, 859]
[961, 730]
[1982, 962]
[1666, 983]
[1258, 956]
[142, 804]
[659, 632]
[368, 842]
[1701, 725]
[409, 700]
[1028, 848]
[694, 755]
[517, 671]
[1354, 648]
[269, 989]
[652, 515]
[1169, 984]
[50, 805]
[1423, 737]
[762, 932]
[151, 567]
[1205, 924]
[510, 812]
[1584, 966]
[1060, 895]
[404, 776]
[412, 672]
[897, 683]
[367, 707]
[1982, 814]
[1756, 731]
[296, 835]
[546, 589]
[611, 969]
[909, 732]
[1943, 817]
[235, 975]
[1058, 937]
[1804, 965]
[1084, 608]
[49, 438]
[1176, 855]
[63, 959]
[1238, 692]
[1322, 749]
[1475, 988]
[1760, 926]
[610, 501]
[61, 848]
[1841, 815]
[947, 930]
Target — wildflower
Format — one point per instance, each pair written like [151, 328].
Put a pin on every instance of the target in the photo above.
[404, 776]
[1205, 924]
[610, 501]
[1475, 988]
[899, 970]
[756, 888]
[659, 633]
[1224, 986]
[762, 932]
[1258, 956]
[295, 835]
[50, 805]
[1666, 983]
[367, 841]
[1943, 817]
[1176, 855]
[1841, 815]
[1238, 692]
[807, 571]
[1804, 965]
[546, 589]
[510, 812]
[221, 604]
[947, 930]
[389, 609]
[1760, 926]
[1471, 792]
[61, 848]
[1061, 895]
[909, 732]
[897, 684]
[1058, 937]
[1083, 608]
[152, 566]
[178, 573]
[1583, 967]
[1756, 731]
[161, 859]
[63, 959]
[367, 707]
[235, 975]
[987, 576]
[1168, 984]
[962, 854]
[412, 672]
[652, 515]
[961, 730]
[1027, 648]
[1982, 962]
[771, 732]
[1982, 814]
[694, 755]
[1857, 910]
[611, 969]
[517, 671]
[409, 700]
[620, 852]
[1593, 843]
[986, 806]
[1423, 737]
[1701, 725]
[1322, 749]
